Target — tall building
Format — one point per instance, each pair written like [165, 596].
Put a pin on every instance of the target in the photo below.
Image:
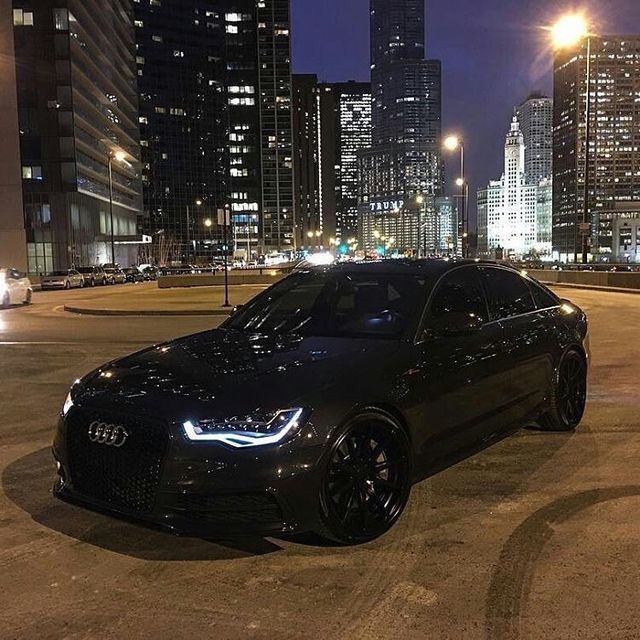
[613, 205]
[510, 222]
[215, 117]
[535, 116]
[68, 89]
[404, 159]
[351, 104]
[307, 179]
[331, 124]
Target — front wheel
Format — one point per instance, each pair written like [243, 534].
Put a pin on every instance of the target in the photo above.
[366, 481]
[569, 395]
[67, 285]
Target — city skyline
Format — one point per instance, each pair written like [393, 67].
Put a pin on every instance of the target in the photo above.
[332, 41]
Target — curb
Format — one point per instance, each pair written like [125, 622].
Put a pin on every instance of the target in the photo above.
[591, 287]
[148, 313]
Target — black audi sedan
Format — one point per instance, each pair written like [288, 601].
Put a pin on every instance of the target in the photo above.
[320, 403]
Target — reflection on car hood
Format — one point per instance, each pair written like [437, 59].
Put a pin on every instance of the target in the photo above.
[223, 371]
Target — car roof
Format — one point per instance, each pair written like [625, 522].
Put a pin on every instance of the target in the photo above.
[432, 267]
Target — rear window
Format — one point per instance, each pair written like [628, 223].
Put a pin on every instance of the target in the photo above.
[508, 292]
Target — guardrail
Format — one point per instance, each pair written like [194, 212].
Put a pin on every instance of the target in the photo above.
[604, 279]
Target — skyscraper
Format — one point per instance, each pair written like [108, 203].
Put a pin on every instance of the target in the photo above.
[332, 124]
[216, 123]
[306, 160]
[613, 207]
[535, 116]
[509, 218]
[404, 160]
[72, 68]
[346, 126]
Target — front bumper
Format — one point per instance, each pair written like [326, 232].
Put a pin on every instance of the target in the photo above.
[207, 489]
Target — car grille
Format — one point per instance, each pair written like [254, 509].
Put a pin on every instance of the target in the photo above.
[125, 476]
[232, 509]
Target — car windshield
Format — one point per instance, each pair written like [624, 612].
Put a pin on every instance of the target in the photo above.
[85, 269]
[336, 304]
[59, 273]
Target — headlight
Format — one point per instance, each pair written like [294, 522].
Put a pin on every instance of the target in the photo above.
[247, 432]
[68, 403]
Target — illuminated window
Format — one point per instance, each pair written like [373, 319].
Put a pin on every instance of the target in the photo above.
[22, 18]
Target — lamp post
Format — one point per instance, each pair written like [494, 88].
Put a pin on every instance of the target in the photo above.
[453, 143]
[119, 156]
[569, 32]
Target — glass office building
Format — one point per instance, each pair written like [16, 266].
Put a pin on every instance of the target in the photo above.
[74, 78]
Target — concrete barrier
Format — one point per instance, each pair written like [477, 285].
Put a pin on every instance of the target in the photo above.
[267, 277]
[603, 279]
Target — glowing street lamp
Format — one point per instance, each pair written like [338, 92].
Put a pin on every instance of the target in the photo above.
[569, 32]
[453, 143]
[119, 156]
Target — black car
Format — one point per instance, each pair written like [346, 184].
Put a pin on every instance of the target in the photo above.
[320, 403]
[132, 274]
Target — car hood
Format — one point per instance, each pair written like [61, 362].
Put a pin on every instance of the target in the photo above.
[221, 372]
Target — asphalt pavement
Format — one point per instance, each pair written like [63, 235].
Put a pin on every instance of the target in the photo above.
[535, 537]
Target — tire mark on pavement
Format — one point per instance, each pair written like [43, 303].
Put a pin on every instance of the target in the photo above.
[512, 578]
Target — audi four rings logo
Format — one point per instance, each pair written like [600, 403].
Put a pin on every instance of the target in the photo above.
[109, 434]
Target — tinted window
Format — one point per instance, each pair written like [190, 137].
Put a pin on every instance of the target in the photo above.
[508, 293]
[336, 304]
[460, 292]
[544, 299]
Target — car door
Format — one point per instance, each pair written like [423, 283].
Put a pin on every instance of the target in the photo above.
[526, 338]
[461, 375]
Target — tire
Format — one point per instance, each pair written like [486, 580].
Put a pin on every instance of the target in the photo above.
[93, 282]
[67, 285]
[29, 297]
[6, 301]
[366, 480]
[569, 394]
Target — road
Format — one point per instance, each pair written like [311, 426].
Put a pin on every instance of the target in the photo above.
[535, 537]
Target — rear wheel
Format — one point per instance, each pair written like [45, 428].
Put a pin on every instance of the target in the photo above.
[366, 481]
[569, 395]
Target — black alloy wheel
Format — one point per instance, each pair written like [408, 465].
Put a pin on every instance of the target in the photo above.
[569, 398]
[367, 480]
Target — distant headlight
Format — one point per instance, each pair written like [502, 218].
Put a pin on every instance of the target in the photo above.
[248, 432]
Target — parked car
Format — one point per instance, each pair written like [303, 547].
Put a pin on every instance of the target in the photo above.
[133, 274]
[15, 288]
[93, 276]
[64, 279]
[150, 273]
[114, 275]
[320, 403]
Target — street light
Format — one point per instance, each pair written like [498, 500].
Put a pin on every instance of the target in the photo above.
[567, 33]
[119, 156]
[453, 143]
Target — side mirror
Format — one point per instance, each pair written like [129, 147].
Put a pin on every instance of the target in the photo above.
[455, 324]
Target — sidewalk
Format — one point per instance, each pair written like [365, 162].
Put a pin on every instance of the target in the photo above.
[151, 301]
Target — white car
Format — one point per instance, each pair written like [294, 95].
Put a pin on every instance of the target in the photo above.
[15, 288]
[66, 279]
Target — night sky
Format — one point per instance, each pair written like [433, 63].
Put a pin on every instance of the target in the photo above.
[493, 54]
